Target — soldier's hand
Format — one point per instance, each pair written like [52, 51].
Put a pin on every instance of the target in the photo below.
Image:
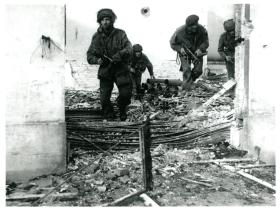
[182, 51]
[239, 40]
[116, 58]
[99, 61]
[198, 52]
[132, 70]
[229, 58]
[152, 77]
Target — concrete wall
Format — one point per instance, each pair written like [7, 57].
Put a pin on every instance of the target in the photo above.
[263, 82]
[35, 127]
[257, 88]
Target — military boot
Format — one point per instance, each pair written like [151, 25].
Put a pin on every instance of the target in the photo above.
[108, 113]
[123, 115]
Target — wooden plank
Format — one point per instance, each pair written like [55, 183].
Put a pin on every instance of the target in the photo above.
[32, 197]
[148, 201]
[217, 161]
[227, 86]
[125, 199]
[250, 177]
[256, 166]
[145, 144]
[154, 115]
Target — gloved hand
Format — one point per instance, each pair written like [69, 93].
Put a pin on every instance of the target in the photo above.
[239, 40]
[182, 51]
[116, 58]
[152, 77]
[198, 52]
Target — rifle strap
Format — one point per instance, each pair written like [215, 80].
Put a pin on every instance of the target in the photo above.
[178, 61]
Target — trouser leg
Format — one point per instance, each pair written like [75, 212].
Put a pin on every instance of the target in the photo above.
[124, 99]
[197, 70]
[230, 69]
[186, 69]
[138, 84]
[124, 84]
[106, 87]
[133, 83]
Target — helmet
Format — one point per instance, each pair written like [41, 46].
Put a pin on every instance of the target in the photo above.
[229, 25]
[191, 20]
[137, 48]
[106, 13]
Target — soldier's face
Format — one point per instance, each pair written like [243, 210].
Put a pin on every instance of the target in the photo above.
[106, 22]
[137, 54]
[193, 28]
[232, 32]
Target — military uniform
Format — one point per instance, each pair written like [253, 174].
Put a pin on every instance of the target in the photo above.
[226, 47]
[139, 65]
[117, 47]
[193, 41]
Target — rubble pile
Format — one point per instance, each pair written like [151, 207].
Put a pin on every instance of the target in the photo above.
[85, 128]
[105, 162]
[99, 179]
[82, 99]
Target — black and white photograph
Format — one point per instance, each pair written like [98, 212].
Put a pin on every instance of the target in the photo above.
[140, 103]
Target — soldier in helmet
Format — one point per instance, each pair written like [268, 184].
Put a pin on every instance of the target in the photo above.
[190, 41]
[227, 44]
[139, 63]
[111, 49]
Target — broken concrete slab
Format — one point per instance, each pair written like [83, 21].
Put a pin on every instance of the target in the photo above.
[102, 188]
[124, 179]
[121, 172]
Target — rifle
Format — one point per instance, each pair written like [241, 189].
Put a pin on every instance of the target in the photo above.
[193, 56]
[105, 56]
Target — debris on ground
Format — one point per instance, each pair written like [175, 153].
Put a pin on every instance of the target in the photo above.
[105, 160]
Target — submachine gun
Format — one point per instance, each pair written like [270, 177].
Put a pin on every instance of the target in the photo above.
[194, 58]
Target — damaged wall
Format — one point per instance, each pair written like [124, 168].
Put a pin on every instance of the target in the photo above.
[263, 81]
[257, 82]
[35, 127]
